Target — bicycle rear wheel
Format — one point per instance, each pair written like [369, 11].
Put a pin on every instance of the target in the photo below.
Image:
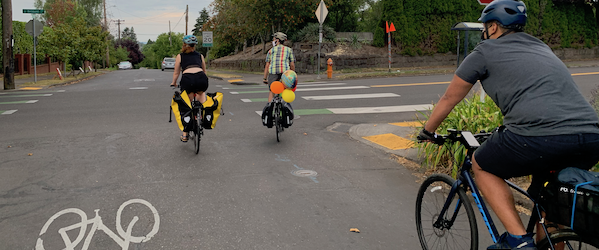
[568, 239]
[458, 229]
[198, 132]
[277, 120]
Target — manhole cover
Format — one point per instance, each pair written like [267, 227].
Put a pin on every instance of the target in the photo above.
[304, 173]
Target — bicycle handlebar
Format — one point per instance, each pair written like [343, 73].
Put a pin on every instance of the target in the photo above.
[468, 139]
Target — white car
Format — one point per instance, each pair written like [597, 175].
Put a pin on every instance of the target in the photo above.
[168, 63]
[125, 65]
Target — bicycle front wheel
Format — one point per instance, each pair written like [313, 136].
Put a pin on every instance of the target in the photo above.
[457, 229]
[566, 239]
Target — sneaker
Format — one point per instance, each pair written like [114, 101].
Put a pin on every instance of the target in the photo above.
[508, 242]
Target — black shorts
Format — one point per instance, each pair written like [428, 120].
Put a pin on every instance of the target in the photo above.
[273, 77]
[194, 82]
[508, 155]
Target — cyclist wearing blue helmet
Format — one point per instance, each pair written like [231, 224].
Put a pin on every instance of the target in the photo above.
[194, 79]
[548, 125]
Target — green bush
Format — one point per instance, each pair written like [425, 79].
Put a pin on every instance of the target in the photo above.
[595, 104]
[310, 33]
[470, 115]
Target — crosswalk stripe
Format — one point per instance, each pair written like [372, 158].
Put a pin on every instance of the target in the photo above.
[331, 88]
[408, 84]
[362, 110]
[19, 102]
[388, 109]
[355, 96]
[255, 100]
[35, 95]
[321, 84]
[7, 112]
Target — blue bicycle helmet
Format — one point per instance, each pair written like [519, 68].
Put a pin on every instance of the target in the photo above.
[510, 14]
[190, 39]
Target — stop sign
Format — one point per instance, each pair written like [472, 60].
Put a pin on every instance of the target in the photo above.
[484, 2]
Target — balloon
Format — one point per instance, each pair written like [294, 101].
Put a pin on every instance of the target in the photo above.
[289, 79]
[277, 87]
[288, 96]
[294, 88]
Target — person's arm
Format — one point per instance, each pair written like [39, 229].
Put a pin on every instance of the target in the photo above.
[292, 66]
[177, 71]
[203, 63]
[456, 91]
[266, 67]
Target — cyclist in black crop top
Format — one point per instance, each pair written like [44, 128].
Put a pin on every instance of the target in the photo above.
[194, 80]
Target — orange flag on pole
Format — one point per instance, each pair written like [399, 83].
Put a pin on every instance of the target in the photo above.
[392, 28]
[389, 29]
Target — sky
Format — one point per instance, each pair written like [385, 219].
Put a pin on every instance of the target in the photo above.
[149, 18]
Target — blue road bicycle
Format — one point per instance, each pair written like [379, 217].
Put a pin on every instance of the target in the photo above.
[445, 217]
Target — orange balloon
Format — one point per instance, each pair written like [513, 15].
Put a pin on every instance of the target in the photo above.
[277, 87]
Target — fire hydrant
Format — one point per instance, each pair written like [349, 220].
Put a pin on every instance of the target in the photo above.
[330, 68]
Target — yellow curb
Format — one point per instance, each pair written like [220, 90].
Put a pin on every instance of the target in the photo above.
[407, 124]
[30, 88]
[390, 141]
[236, 80]
[226, 75]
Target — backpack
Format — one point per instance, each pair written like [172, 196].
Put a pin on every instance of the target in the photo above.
[267, 115]
[573, 189]
[287, 115]
[212, 109]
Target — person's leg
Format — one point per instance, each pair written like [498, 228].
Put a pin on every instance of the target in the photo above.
[499, 196]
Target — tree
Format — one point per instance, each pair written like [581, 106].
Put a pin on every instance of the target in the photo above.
[135, 55]
[129, 34]
[343, 15]
[57, 10]
[200, 21]
[23, 41]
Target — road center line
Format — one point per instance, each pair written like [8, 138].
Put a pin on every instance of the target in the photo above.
[408, 84]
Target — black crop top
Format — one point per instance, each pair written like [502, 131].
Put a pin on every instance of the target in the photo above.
[191, 60]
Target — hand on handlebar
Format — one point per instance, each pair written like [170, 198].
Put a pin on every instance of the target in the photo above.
[265, 82]
[430, 137]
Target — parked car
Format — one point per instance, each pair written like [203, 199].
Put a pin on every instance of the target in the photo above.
[125, 65]
[168, 63]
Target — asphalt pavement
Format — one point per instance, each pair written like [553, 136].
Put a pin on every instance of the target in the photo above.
[395, 138]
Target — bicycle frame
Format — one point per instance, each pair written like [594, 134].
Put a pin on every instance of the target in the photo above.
[466, 181]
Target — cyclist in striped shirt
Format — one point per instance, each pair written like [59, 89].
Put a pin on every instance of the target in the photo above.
[278, 60]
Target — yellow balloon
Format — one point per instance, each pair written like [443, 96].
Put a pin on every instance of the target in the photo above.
[288, 96]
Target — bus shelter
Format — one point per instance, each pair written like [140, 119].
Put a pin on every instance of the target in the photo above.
[466, 27]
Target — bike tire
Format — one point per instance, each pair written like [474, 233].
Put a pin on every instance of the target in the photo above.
[569, 238]
[277, 120]
[198, 132]
[462, 233]
[129, 228]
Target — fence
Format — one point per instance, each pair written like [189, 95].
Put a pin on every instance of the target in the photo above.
[23, 65]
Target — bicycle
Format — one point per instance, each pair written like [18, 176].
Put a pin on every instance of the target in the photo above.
[125, 235]
[277, 115]
[443, 224]
[197, 131]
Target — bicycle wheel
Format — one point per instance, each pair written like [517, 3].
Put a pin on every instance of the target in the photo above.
[277, 120]
[458, 229]
[198, 132]
[568, 239]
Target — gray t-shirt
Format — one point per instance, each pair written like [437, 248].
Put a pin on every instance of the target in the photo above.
[532, 87]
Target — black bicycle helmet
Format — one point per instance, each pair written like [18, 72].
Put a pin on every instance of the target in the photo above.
[511, 14]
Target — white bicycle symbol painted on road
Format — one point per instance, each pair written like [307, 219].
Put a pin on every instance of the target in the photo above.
[123, 238]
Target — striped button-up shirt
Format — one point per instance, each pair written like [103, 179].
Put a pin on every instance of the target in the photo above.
[279, 57]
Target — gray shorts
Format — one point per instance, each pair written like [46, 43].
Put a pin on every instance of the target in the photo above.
[273, 77]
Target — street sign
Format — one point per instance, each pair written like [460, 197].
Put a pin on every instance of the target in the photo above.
[39, 27]
[33, 11]
[321, 12]
[484, 2]
[206, 38]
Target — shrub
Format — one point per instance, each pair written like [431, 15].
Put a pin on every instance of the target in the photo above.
[471, 115]
[595, 104]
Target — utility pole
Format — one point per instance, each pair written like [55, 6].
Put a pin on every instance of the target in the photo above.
[118, 21]
[8, 63]
[186, 18]
[107, 45]
[169, 32]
